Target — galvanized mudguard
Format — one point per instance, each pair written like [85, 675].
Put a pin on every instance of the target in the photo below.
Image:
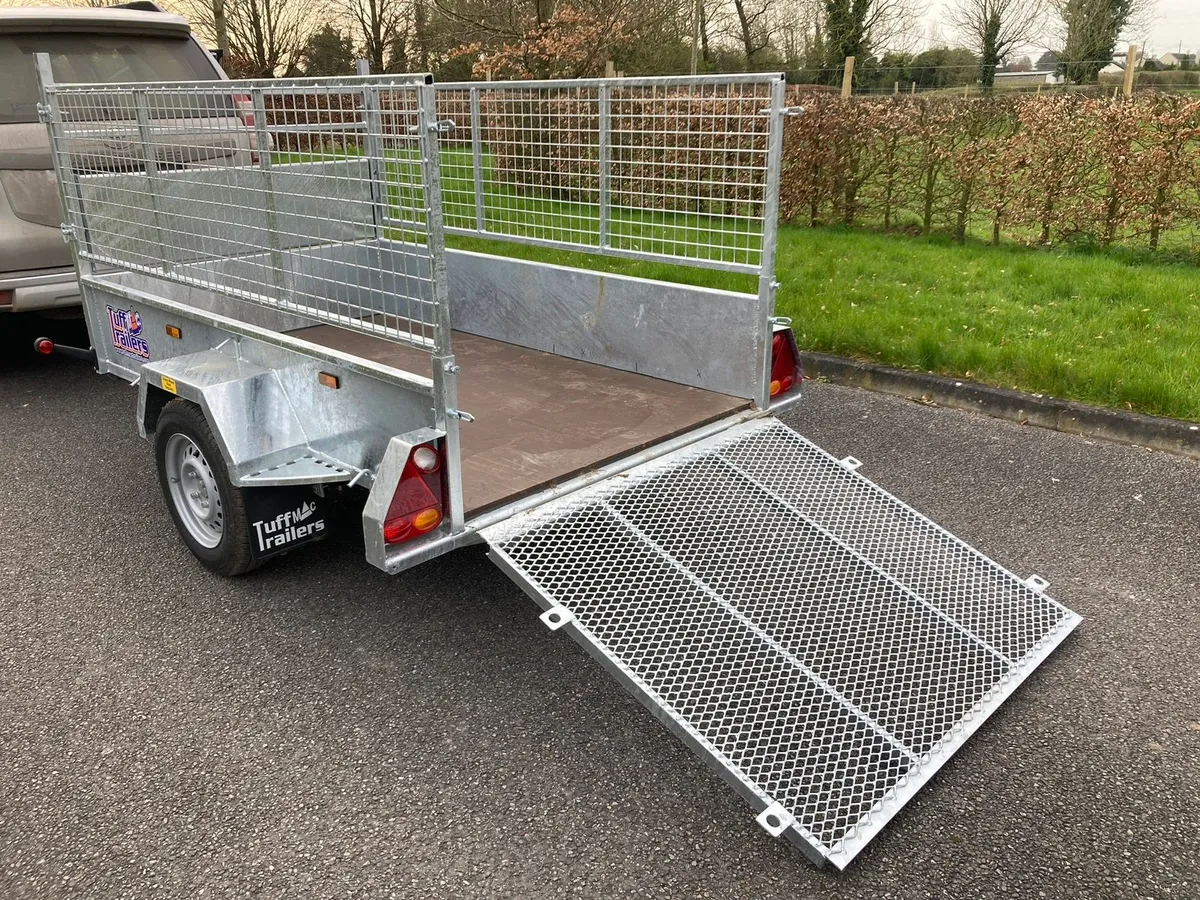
[825, 647]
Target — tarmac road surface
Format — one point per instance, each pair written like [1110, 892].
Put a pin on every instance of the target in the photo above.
[320, 730]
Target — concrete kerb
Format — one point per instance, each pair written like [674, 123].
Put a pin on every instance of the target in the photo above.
[1169, 435]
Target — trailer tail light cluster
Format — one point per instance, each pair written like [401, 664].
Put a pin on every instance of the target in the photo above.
[785, 367]
[418, 505]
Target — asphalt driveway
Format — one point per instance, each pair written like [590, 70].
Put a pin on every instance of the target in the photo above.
[318, 729]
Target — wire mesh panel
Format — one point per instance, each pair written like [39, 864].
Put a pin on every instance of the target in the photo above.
[672, 169]
[824, 645]
[308, 196]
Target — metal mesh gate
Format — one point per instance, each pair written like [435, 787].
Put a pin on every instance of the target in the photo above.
[823, 645]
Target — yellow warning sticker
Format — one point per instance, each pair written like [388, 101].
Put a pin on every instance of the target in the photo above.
[169, 384]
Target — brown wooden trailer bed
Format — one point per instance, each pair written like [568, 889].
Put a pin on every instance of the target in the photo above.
[541, 418]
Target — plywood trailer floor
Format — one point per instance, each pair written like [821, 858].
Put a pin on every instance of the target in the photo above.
[541, 418]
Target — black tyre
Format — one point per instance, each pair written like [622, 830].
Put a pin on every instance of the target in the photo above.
[209, 511]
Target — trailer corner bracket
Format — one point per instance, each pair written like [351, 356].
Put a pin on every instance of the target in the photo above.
[556, 617]
[775, 820]
[1037, 583]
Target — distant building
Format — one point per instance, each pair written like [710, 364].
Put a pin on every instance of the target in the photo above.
[1181, 60]
[1014, 79]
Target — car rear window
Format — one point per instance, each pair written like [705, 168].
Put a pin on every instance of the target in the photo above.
[102, 59]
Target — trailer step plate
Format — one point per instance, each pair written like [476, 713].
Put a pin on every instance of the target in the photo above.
[822, 645]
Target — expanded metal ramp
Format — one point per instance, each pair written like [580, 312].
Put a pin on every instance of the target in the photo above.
[825, 647]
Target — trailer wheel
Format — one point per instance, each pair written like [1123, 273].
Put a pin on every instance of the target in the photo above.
[209, 511]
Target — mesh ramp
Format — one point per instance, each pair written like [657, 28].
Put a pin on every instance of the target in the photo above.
[825, 647]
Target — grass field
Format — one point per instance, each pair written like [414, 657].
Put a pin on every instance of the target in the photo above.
[1118, 330]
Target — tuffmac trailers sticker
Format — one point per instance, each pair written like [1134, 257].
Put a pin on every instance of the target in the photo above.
[280, 521]
[125, 326]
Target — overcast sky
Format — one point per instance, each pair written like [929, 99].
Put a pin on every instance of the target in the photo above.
[1175, 21]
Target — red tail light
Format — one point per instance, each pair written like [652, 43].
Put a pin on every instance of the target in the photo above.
[785, 368]
[418, 504]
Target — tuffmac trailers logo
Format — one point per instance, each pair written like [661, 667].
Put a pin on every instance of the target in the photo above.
[287, 528]
[125, 326]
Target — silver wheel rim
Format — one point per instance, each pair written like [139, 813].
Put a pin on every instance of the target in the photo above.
[194, 492]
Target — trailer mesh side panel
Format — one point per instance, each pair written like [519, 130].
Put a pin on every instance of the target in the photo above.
[317, 198]
[826, 647]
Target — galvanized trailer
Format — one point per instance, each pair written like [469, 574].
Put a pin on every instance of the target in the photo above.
[295, 326]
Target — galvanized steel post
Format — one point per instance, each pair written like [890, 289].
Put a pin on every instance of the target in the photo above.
[477, 161]
[150, 161]
[770, 224]
[605, 126]
[445, 370]
[262, 141]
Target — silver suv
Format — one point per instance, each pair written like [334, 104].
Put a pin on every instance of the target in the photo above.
[137, 42]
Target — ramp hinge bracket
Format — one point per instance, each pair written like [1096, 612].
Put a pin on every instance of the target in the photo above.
[850, 463]
[1036, 583]
[775, 820]
[781, 321]
[43, 111]
[68, 232]
[460, 415]
[556, 617]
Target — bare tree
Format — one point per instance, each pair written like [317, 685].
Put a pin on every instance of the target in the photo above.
[754, 29]
[206, 15]
[267, 35]
[994, 28]
[258, 38]
[380, 26]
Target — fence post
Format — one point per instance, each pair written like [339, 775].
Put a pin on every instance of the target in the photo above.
[1130, 64]
[610, 70]
[896, 87]
[848, 77]
[605, 127]
[913, 90]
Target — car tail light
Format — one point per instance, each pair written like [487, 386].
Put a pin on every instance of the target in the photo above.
[244, 107]
[418, 505]
[785, 367]
[6, 298]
